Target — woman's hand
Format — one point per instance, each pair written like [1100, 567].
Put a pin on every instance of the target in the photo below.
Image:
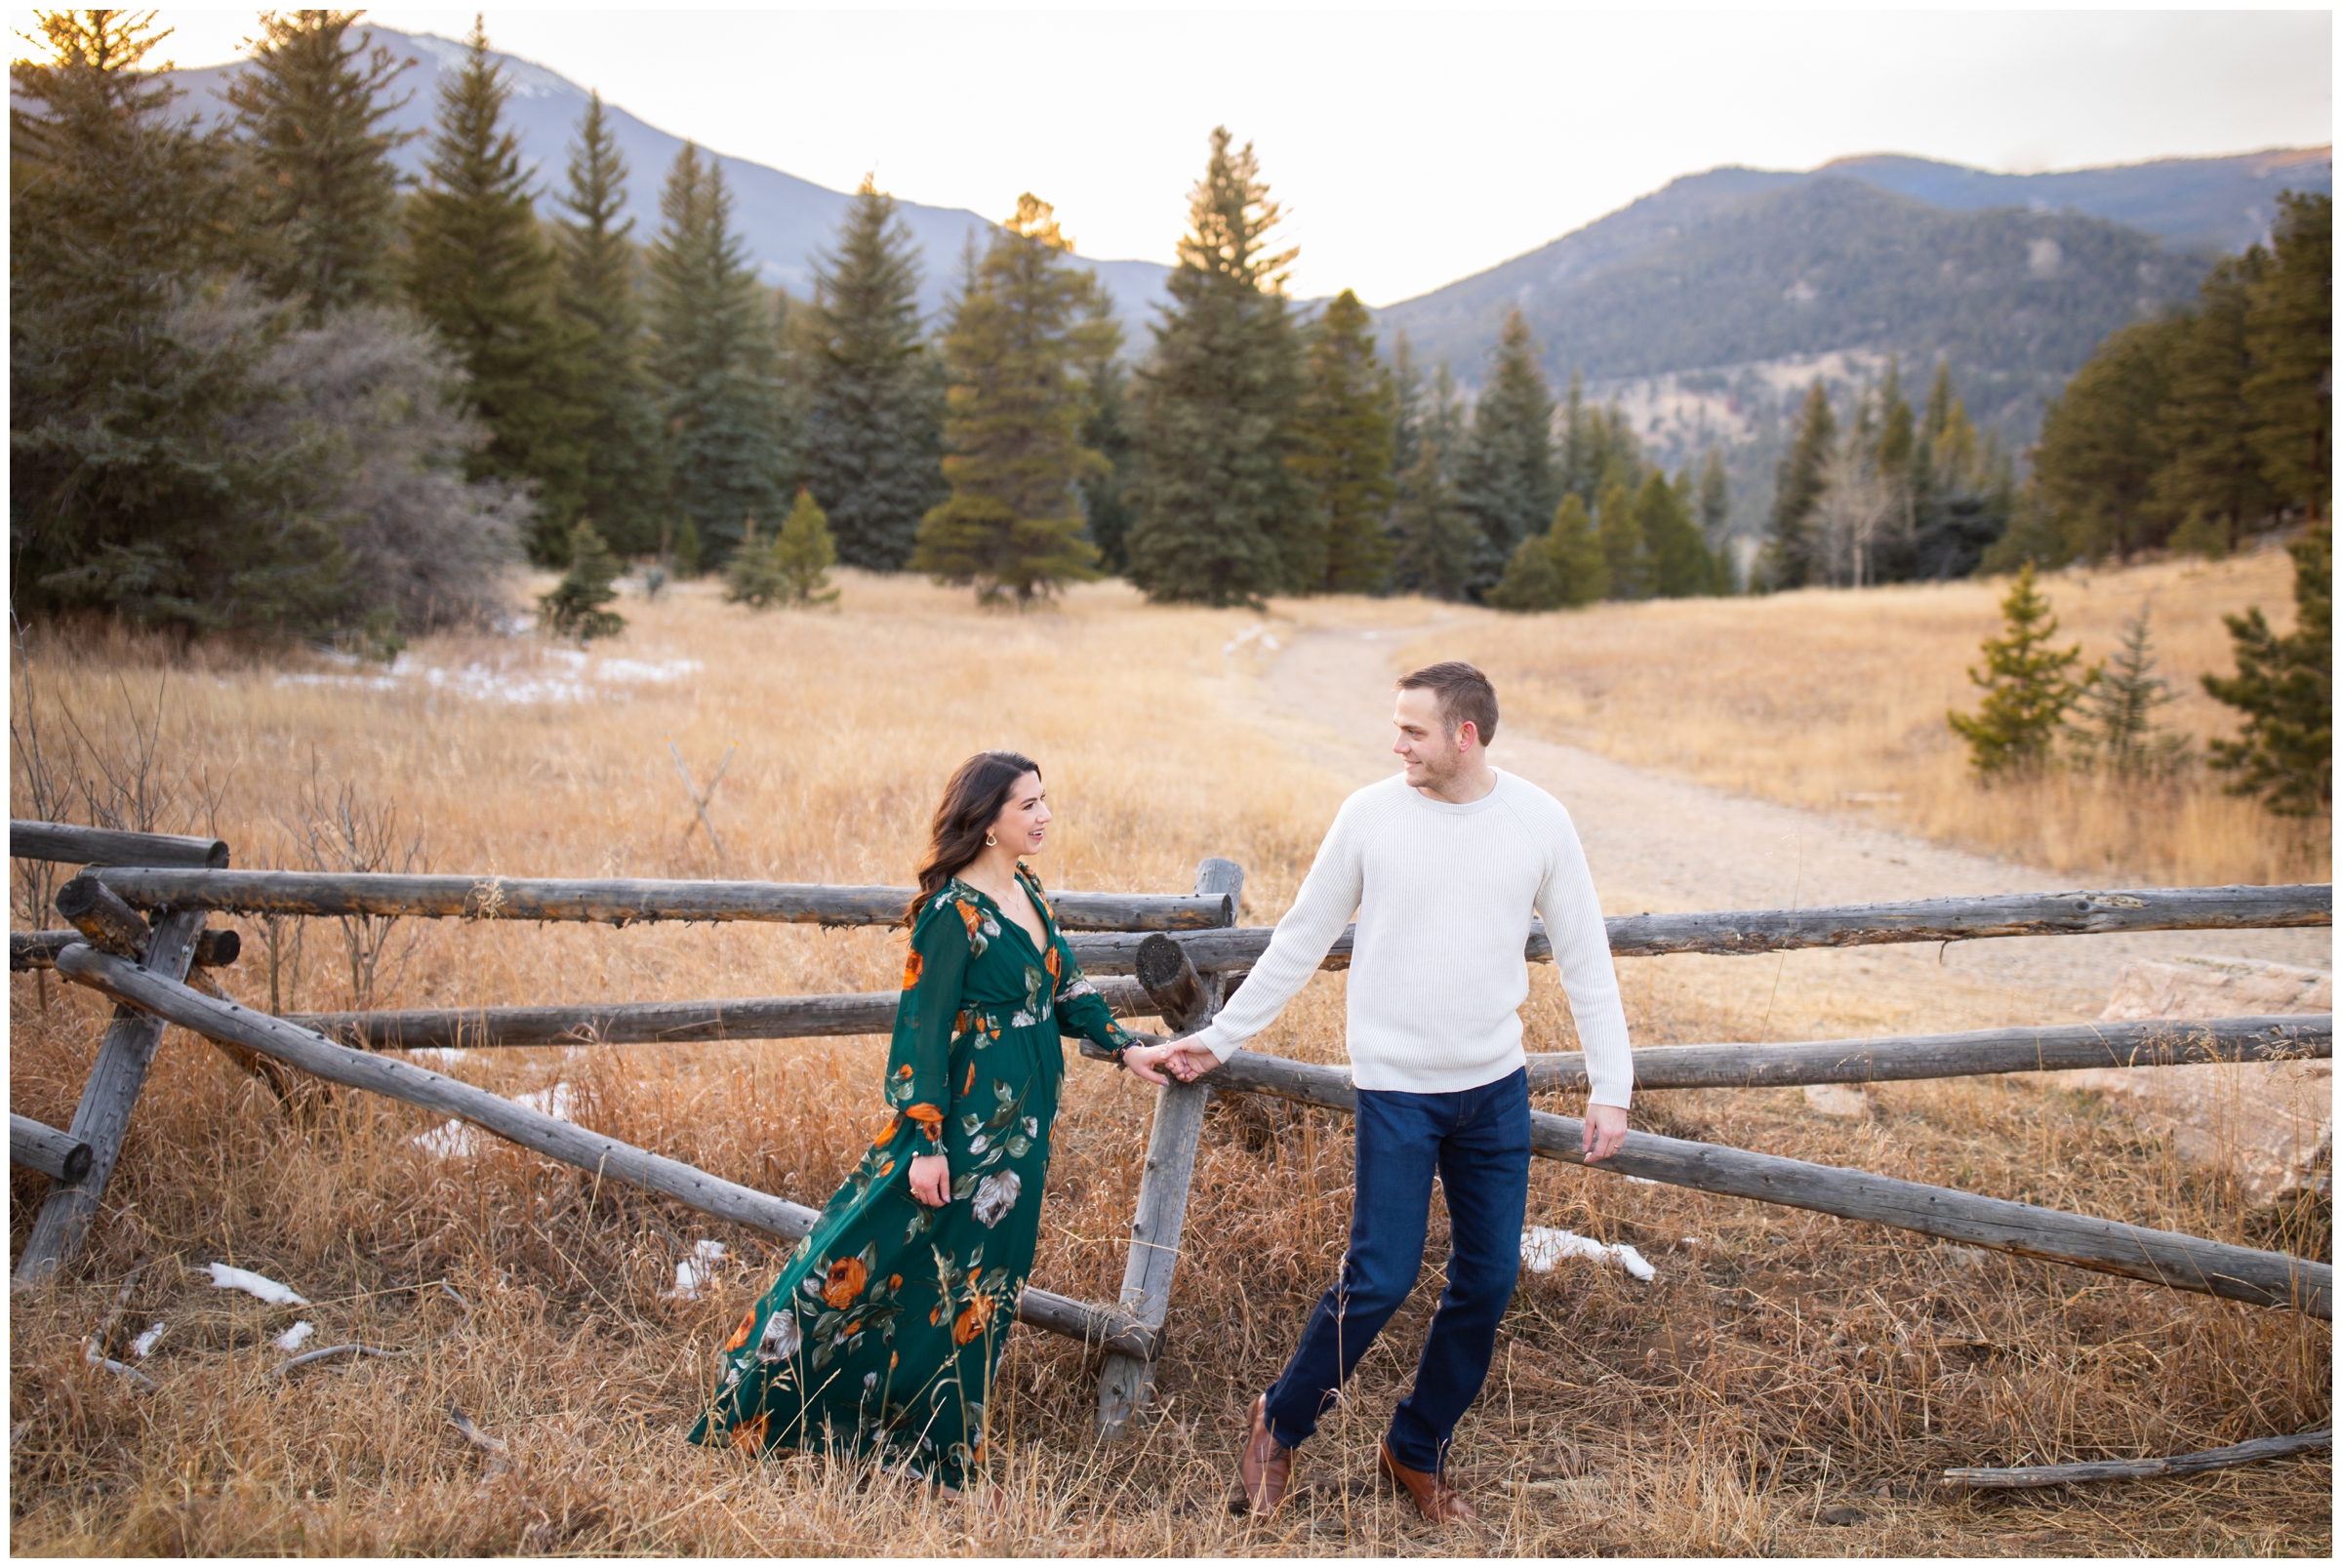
[931, 1180]
[1180, 1060]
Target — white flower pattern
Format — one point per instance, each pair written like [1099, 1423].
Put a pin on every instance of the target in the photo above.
[996, 1195]
[781, 1337]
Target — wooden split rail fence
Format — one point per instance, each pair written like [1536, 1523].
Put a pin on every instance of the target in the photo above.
[1171, 957]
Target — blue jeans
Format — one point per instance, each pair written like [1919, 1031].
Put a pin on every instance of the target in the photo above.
[1478, 1141]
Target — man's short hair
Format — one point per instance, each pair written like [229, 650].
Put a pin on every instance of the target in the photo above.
[1463, 692]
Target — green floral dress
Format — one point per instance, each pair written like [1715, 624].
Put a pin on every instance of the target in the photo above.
[881, 1336]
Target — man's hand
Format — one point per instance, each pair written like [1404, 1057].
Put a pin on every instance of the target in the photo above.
[1606, 1130]
[931, 1180]
[1180, 1060]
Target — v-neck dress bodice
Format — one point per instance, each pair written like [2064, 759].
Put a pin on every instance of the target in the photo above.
[882, 1334]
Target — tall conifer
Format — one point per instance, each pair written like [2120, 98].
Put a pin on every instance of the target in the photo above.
[480, 271]
[2213, 470]
[1013, 523]
[1223, 516]
[2289, 334]
[1509, 482]
[1679, 564]
[1430, 537]
[624, 482]
[713, 357]
[322, 190]
[1792, 553]
[873, 438]
[1347, 450]
[1106, 429]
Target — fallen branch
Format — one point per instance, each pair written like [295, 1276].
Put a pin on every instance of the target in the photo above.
[2133, 1469]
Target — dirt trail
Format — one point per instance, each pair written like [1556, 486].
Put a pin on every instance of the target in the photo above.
[1660, 843]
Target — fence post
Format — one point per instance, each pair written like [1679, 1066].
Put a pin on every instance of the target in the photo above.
[1126, 1381]
[103, 1120]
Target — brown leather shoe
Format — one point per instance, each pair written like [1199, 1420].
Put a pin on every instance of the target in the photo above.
[1266, 1466]
[1440, 1503]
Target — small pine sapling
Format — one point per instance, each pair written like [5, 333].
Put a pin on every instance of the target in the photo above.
[2117, 726]
[576, 608]
[753, 577]
[804, 552]
[2284, 687]
[2028, 687]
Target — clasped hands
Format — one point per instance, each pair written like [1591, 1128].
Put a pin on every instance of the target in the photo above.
[1155, 1057]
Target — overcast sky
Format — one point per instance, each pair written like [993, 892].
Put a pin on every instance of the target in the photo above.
[1409, 147]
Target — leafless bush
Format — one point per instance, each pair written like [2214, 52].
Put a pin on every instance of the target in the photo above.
[337, 829]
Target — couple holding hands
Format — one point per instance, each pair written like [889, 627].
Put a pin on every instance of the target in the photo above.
[882, 1334]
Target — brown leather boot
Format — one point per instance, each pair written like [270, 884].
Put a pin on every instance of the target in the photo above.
[1266, 1466]
[1439, 1502]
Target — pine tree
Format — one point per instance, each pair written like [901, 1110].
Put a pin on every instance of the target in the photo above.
[873, 440]
[1106, 429]
[1508, 479]
[624, 483]
[321, 189]
[1715, 509]
[1347, 450]
[1791, 553]
[2101, 446]
[1406, 410]
[2027, 685]
[1679, 564]
[2210, 466]
[127, 490]
[2289, 336]
[1223, 516]
[481, 271]
[2116, 724]
[804, 552]
[1431, 538]
[1014, 457]
[753, 575]
[1558, 569]
[1626, 553]
[576, 608]
[2284, 687]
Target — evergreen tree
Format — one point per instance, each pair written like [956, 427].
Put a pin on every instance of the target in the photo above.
[1431, 538]
[2116, 724]
[874, 441]
[127, 488]
[1793, 555]
[1507, 481]
[1585, 448]
[2102, 446]
[753, 575]
[481, 271]
[1558, 569]
[624, 482]
[1106, 496]
[1406, 410]
[2290, 339]
[322, 192]
[1713, 504]
[1014, 455]
[577, 605]
[804, 552]
[2028, 686]
[1679, 564]
[1223, 516]
[2210, 467]
[2284, 687]
[713, 357]
[1626, 554]
[1347, 448]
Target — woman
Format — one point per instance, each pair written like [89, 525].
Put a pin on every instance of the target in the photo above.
[882, 1332]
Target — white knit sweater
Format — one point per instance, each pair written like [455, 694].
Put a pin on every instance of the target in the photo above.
[1444, 895]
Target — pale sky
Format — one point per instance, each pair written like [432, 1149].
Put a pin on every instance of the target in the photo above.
[1409, 147]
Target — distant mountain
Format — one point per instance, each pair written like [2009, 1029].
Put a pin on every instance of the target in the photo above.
[783, 219]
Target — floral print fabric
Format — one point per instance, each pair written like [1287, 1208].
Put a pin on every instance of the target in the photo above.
[882, 1334]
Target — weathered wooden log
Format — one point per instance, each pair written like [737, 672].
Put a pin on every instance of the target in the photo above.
[740, 1018]
[1853, 925]
[135, 988]
[105, 846]
[38, 950]
[103, 1118]
[614, 901]
[1159, 1219]
[65, 1157]
[2133, 1469]
[2109, 1246]
[2146, 1043]
[99, 913]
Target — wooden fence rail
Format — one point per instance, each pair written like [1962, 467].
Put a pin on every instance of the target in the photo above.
[2109, 1246]
[60, 1155]
[157, 998]
[105, 846]
[38, 950]
[612, 901]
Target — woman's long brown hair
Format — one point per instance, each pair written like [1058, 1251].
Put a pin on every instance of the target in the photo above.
[971, 804]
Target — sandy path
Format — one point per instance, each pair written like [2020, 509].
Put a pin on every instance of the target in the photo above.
[1662, 843]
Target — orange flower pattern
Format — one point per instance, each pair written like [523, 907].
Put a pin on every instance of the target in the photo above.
[883, 1331]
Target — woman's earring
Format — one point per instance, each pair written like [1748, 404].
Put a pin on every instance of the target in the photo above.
[990, 842]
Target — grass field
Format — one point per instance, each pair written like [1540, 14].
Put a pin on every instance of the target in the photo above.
[1780, 1365]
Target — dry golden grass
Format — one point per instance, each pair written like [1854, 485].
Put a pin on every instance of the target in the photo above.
[1781, 1364]
[1822, 697]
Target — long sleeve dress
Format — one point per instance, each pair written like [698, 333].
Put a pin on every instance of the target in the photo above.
[882, 1334]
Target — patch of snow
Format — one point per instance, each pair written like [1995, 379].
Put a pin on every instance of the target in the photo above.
[1542, 1246]
[291, 1339]
[227, 1277]
[694, 1273]
[639, 669]
[144, 1346]
[457, 1140]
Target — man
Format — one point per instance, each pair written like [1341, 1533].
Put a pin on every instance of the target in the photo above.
[1443, 865]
